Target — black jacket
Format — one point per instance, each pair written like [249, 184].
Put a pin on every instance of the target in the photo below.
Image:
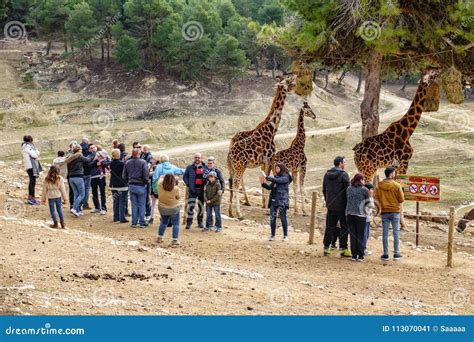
[75, 165]
[135, 172]
[335, 183]
[116, 170]
[278, 187]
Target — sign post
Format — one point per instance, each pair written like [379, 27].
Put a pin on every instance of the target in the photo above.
[419, 189]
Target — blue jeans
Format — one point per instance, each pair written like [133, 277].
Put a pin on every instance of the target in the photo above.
[394, 219]
[56, 202]
[119, 199]
[165, 220]
[273, 217]
[77, 184]
[87, 186]
[366, 234]
[138, 199]
[209, 218]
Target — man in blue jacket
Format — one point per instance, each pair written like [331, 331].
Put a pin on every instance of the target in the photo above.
[194, 179]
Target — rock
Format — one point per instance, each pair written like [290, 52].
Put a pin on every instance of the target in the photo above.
[133, 243]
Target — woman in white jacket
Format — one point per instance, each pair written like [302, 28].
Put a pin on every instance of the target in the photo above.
[32, 166]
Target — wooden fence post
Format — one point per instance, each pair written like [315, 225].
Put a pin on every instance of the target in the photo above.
[185, 213]
[312, 224]
[451, 236]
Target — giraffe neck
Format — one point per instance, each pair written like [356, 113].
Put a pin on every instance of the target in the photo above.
[300, 138]
[412, 117]
[273, 118]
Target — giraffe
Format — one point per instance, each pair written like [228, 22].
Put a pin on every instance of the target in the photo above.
[285, 78]
[294, 157]
[258, 148]
[392, 147]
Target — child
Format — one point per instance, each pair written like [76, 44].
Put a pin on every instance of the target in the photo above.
[54, 190]
[212, 197]
[59, 162]
[103, 158]
[369, 211]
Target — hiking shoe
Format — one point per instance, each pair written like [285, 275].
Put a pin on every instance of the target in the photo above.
[327, 251]
[159, 239]
[384, 257]
[74, 212]
[285, 238]
[175, 243]
[271, 238]
[54, 225]
[397, 256]
[345, 253]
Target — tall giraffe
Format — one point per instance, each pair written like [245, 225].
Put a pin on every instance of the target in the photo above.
[392, 147]
[287, 78]
[294, 157]
[258, 148]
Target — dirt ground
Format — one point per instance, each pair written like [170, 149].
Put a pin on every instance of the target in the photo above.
[98, 267]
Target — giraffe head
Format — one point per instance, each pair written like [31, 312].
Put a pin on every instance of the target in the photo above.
[307, 111]
[288, 81]
[429, 74]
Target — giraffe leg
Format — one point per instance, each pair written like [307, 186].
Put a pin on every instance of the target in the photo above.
[237, 196]
[266, 167]
[303, 195]
[294, 174]
[247, 202]
[231, 192]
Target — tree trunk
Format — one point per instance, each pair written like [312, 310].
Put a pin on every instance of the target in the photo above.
[229, 87]
[369, 108]
[359, 83]
[257, 70]
[405, 82]
[326, 79]
[102, 50]
[274, 66]
[48, 47]
[315, 74]
[65, 46]
[108, 50]
[341, 78]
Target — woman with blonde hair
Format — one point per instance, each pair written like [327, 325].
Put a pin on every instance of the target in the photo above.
[54, 190]
[119, 187]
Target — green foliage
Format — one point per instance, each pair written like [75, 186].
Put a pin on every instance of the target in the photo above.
[227, 60]
[127, 54]
[81, 26]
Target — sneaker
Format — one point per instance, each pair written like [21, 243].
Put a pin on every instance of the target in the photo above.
[188, 226]
[272, 238]
[159, 239]
[124, 221]
[333, 247]
[147, 218]
[367, 252]
[81, 213]
[95, 211]
[74, 212]
[36, 202]
[86, 207]
[345, 253]
[103, 212]
[30, 202]
[285, 238]
[218, 229]
[397, 256]
[205, 230]
[143, 225]
[150, 221]
[327, 251]
[175, 243]
[200, 225]
[384, 257]
[134, 225]
[353, 259]
[361, 259]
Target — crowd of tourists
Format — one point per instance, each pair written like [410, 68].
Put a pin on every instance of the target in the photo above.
[140, 183]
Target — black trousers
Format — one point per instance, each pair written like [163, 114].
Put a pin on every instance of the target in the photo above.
[32, 182]
[335, 236]
[332, 218]
[356, 228]
[71, 194]
[148, 200]
[98, 184]
[195, 200]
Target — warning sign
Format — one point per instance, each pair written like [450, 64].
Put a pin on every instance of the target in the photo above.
[420, 188]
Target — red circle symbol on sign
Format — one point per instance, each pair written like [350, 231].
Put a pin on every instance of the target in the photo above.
[423, 189]
[434, 190]
[413, 188]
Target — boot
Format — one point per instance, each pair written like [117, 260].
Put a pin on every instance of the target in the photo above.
[54, 225]
[63, 225]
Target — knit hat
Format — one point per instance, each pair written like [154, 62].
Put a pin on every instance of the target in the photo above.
[212, 174]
